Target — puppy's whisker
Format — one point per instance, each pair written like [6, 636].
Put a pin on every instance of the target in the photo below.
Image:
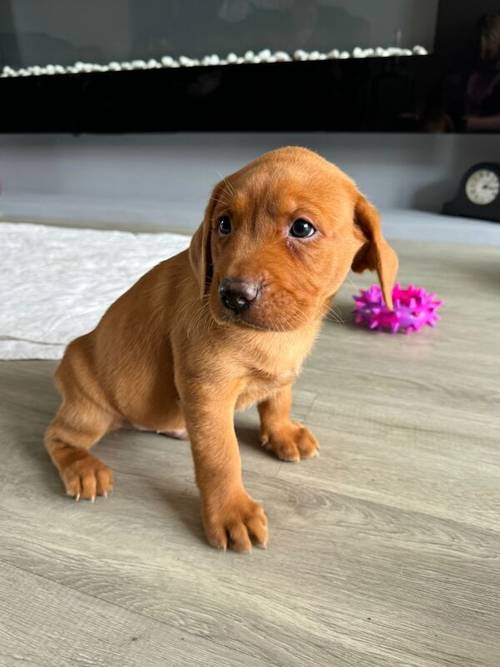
[219, 200]
[335, 314]
[350, 282]
[229, 186]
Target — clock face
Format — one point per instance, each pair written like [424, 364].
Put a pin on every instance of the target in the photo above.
[482, 187]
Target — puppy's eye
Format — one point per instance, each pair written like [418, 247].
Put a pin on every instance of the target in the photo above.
[224, 224]
[302, 229]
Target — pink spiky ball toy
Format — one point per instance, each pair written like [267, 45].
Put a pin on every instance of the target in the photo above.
[413, 309]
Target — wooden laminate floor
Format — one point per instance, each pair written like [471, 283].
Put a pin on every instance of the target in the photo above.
[384, 551]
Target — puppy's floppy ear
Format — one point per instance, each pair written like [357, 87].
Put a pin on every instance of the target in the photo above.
[200, 255]
[375, 254]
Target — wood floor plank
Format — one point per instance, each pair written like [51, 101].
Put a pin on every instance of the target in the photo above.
[49, 625]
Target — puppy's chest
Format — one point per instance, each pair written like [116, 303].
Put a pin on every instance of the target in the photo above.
[260, 384]
[274, 364]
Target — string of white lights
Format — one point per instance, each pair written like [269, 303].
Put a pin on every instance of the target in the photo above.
[166, 62]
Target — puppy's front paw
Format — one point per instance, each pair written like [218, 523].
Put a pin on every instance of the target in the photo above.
[234, 522]
[291, 442]
[84, 476]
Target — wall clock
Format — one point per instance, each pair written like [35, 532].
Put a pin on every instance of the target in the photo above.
[479, 193]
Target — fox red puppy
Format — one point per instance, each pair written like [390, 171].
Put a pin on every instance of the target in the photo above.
[220, 326]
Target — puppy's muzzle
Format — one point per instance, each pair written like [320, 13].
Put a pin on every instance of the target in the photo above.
[237, 295]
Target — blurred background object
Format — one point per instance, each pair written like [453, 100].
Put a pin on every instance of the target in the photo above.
[468, 97]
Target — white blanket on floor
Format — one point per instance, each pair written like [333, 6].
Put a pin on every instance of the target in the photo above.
[56, 282]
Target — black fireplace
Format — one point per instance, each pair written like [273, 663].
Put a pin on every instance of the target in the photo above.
[250, 65]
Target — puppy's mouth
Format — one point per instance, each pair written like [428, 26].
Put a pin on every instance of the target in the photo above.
[254, 320]
[246, 323]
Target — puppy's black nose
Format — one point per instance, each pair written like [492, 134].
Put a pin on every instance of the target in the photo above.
[236, 294]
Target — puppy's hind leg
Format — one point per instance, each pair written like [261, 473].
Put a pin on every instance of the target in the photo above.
[77, 426]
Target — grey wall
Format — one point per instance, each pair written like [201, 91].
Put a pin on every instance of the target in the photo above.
[158, 178]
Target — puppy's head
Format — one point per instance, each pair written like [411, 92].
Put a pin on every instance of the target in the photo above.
[279, 237]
